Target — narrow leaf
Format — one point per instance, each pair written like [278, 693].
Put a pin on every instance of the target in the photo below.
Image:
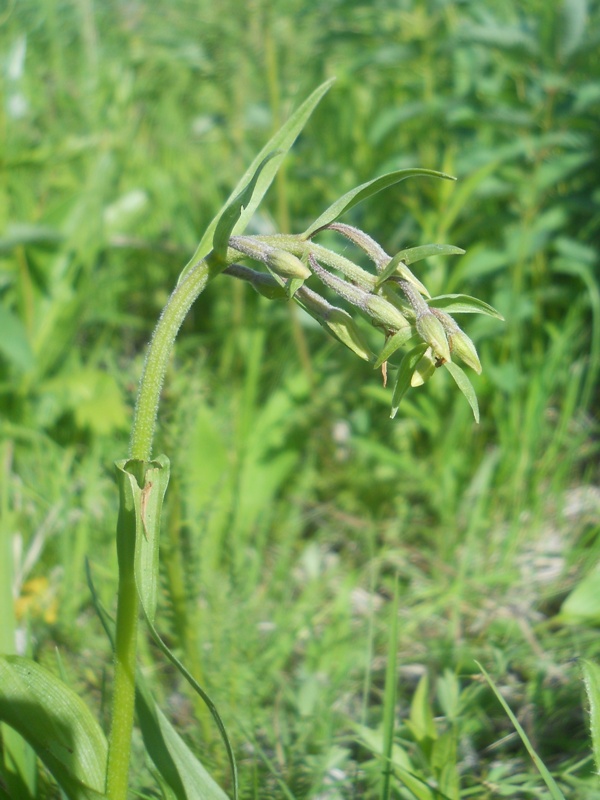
[200, 691]
[57, 724]
[14, 344]
[555, 792]
[465, 385]
[591, 677]
[405, 371]
[413, 254]
[464, 304]
[281, 142]
[232, 212]
[397, 266]
[394, 343]
[178, 766]
[365, 190]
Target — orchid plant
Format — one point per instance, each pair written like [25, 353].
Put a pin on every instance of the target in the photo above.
[48, 715]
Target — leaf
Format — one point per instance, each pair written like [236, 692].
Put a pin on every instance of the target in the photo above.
[393, 343]
[141, 489]
[178, 766]
[14, 344]
[591, 677]
[397, 266]
[413, 254]
[571, 26]
[555, 792]
[582, 605]
[281, 142]
[365, 190]
[405, 371]
[465, 385]
[233, 211]
[421, 721]
[142, 486]
[463, 304]
[181, 774]
[57, 724]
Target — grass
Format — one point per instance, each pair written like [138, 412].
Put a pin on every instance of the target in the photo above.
[124, 128]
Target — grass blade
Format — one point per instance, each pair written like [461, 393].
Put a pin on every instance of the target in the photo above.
[555, 792]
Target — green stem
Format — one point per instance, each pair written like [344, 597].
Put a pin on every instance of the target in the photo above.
[159, 352]
[144, 423]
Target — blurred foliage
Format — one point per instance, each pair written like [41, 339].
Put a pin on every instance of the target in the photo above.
[124, 126]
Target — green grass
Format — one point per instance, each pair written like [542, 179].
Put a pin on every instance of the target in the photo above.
[296, 502]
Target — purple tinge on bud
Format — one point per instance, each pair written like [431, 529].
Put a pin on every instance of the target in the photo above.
[384, 313]
[431, 330]
[463, 347]
[287, 265]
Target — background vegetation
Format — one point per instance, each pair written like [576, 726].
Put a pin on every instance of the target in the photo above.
[296, 504]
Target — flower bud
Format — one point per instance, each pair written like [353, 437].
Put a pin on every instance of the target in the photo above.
[463, 347]
[287, 265]
[431, 330]
[424, 369]
[344, 328]
[384, 314]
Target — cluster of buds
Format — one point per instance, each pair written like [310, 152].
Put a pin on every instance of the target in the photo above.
[391, 297]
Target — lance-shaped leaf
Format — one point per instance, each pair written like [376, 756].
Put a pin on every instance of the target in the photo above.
[465, 385]
[141, 488]
[183, 773]
[280, 142]
[405, 372]
[463, 304]
[397, 267]
[365, 190]
[232, 212]
[413, 254]
[394, 343]
[57, 724]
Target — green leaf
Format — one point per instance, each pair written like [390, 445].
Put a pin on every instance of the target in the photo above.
[463, 304]
[465, 385]
[233, 211]
[281, 142]
[591, 677]
[405, 371]
[365, 190]
[582, 605]
[394, 343]
[555, 792]
[57, 724]
[397, 266]
[413, 254]
[14, 344]
[178, 766]
[421, 721]
[142, 487]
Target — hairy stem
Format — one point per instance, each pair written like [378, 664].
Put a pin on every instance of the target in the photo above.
[144, 423]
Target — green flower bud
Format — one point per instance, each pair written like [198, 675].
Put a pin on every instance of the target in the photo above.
[383, 313]
[344, 328]
[431, 330]
[287, 265]
[463, 347]
[424, 369]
